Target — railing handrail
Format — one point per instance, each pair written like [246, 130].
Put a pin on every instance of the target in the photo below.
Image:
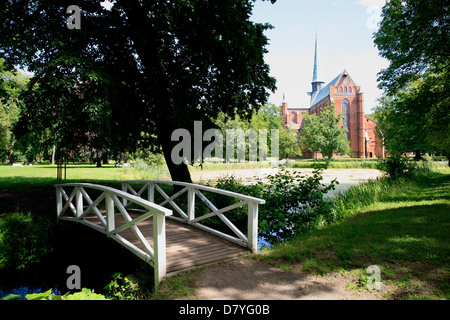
[144, 203]
[250, 241]
[202, 187]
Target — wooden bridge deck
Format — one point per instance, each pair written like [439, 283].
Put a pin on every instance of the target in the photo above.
[186, 246]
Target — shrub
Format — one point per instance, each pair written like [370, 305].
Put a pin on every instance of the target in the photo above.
[293, 203]
[397, 166]
[84, 294]
[123, 288]
[24, 240]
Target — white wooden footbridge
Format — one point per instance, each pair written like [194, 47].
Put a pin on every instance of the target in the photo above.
[140, 225]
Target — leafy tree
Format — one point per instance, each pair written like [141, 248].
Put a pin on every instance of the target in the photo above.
[324, 133]
[239, 128]
[289, 146]
[136, 72]
[403, 128]
[12, 83]
[414, 36]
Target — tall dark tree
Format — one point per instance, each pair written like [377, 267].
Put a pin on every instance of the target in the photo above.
[133, 74]
[414, 35]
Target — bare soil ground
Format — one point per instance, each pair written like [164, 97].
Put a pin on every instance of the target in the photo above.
[250, 279]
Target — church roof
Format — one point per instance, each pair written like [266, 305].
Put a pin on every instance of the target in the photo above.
[325, 91]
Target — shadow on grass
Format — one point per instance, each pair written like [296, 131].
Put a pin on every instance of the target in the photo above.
[409, 244]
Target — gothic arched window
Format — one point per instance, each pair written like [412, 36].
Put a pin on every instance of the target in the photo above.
[346, 116]
[293, 117]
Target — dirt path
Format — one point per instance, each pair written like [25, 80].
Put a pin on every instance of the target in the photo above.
[249, 279]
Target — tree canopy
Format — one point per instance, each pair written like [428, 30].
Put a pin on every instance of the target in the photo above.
[12, 83]
[324, 133]
[414, 35]
[414, 114]
[133, 74]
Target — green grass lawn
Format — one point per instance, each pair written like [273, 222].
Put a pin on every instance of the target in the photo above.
[31, 178]
[403, 227]
[406, 233]
[337, 163]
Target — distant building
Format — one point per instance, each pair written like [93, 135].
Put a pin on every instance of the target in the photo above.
[348, 100]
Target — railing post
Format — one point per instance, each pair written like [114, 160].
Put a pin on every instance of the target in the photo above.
[110, 218]
[124, 189]
[253, 226]
[151, 192]
[191, 204]
[59, 205]
[159, 243]
[78, 202]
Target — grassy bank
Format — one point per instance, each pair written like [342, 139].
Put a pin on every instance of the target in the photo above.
[339, 163]
[17, 179]
[402, 227]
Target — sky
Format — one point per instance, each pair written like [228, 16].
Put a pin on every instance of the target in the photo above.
[344, 30]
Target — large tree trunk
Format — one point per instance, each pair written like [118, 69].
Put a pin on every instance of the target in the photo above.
[178, 172]
[99, 160]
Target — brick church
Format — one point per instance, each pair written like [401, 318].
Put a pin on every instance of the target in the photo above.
[348, 99]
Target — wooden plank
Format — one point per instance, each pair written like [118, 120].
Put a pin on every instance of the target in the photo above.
[186, 246]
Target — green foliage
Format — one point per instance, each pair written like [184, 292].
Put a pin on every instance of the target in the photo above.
[400, 226]
[24, 240]
[11, 297]
[293, 203]
[84, 294]
[417, 118]
[413, 36]
[324, 133]
[397, 166]
[267, 118]
[123, 288]
[138, 67]
[414, 114]
[288, 144]
[12, 84]
[345, 163]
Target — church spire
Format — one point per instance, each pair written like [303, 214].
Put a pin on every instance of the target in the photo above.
[315, 63]
[316, 83]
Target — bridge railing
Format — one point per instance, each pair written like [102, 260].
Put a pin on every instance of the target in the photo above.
[193, 218]
[76, 205]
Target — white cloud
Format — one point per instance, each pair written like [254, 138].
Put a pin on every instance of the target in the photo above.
[368, 3]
